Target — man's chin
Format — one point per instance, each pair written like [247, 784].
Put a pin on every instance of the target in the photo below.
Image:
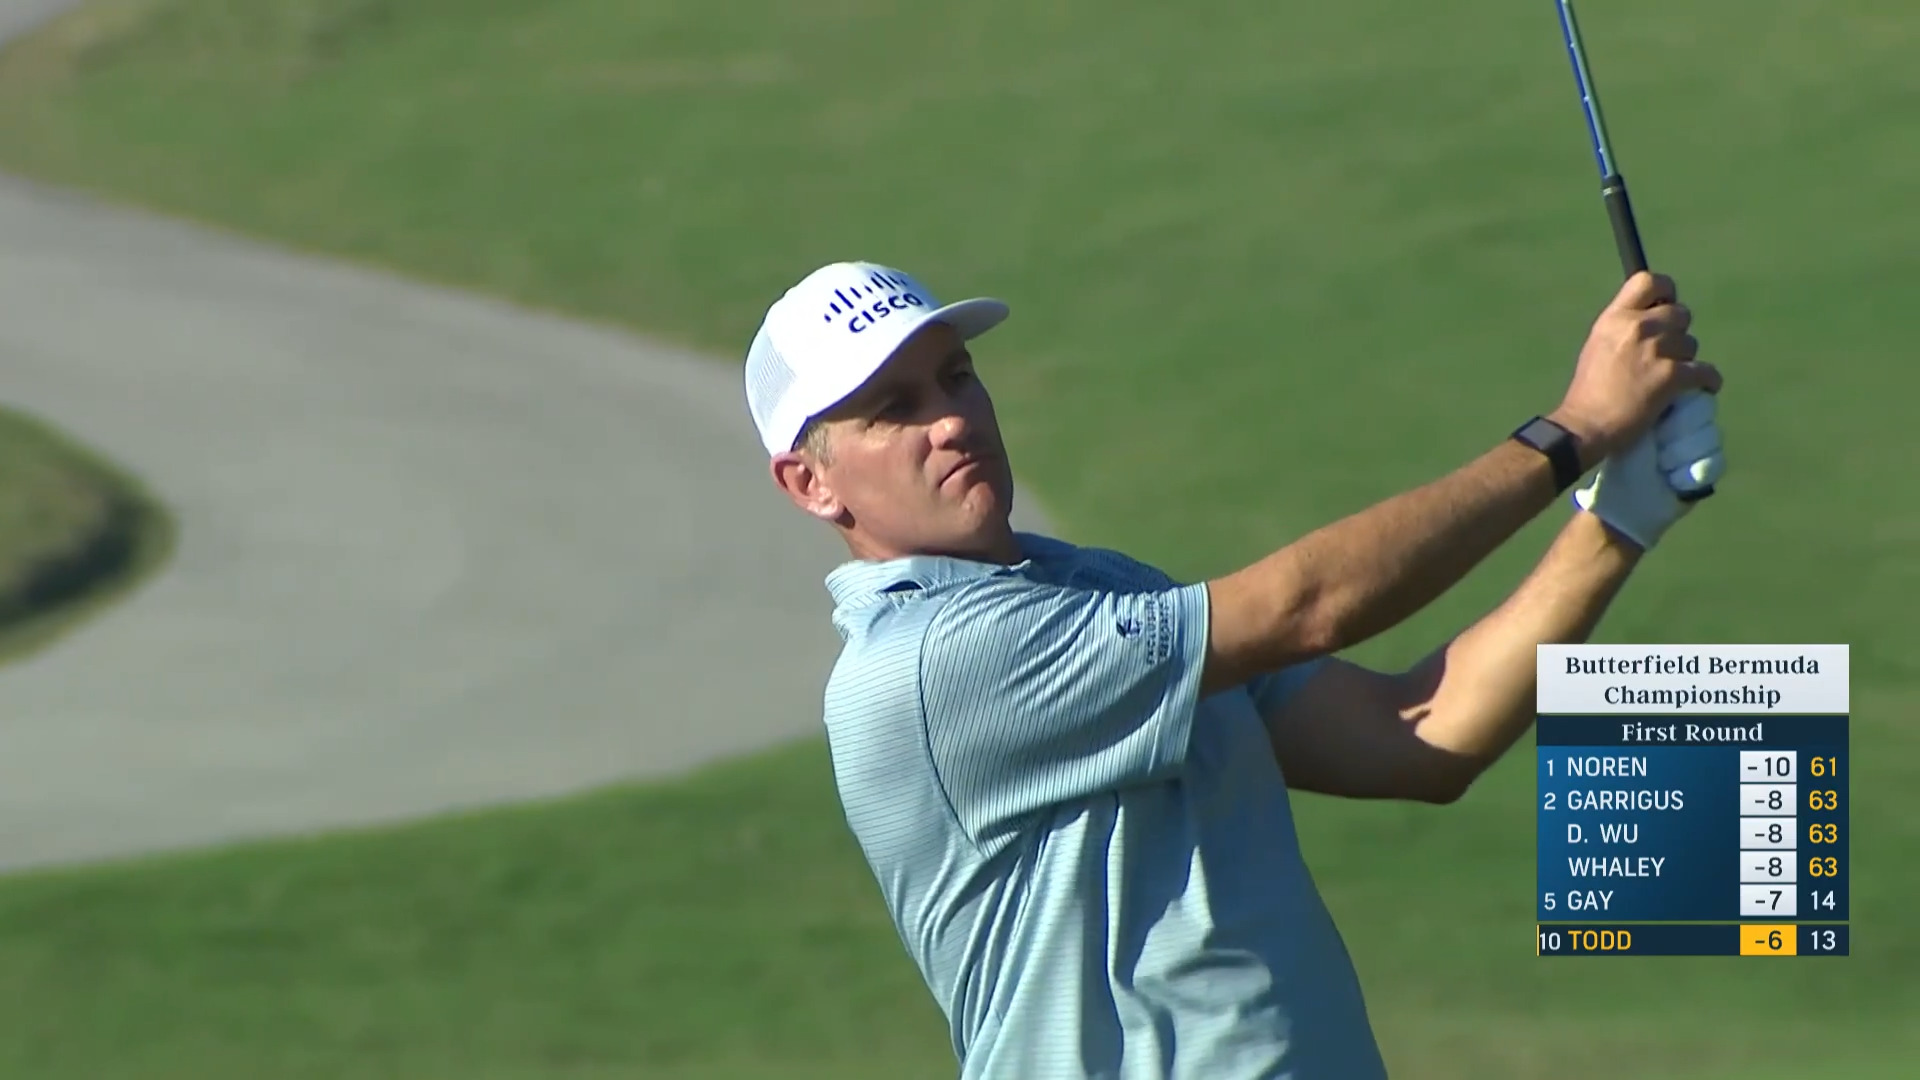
[981, 519]
[987, 500]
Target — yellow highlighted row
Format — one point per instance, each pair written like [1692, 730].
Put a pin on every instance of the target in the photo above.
[1766, 940]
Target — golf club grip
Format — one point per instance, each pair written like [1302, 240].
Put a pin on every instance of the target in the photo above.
[1626, 232]
[1633, 259]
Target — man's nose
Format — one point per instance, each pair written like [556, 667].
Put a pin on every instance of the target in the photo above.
[954, 428]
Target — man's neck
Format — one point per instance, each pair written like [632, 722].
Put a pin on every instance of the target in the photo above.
[1002, 550]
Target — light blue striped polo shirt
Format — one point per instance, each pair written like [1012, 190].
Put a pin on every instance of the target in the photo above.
[1095, 871]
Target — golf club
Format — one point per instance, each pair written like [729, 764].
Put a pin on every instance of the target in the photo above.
[1613, 186]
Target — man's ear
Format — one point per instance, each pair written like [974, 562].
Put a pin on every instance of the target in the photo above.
[803, 481]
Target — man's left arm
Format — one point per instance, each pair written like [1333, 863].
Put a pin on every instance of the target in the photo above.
[1427, 733]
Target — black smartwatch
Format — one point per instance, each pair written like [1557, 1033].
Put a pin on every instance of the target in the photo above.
[1562, 450]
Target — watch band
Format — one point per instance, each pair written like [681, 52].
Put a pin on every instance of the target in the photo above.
[1562, 450]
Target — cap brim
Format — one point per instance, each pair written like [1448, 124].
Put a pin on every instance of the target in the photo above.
[969, 318]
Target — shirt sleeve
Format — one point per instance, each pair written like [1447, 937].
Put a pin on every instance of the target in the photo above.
[1036, 694]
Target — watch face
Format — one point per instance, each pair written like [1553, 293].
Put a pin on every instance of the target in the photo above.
[1540, 433]
[1557, 444]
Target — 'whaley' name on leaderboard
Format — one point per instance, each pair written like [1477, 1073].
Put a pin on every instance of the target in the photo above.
[1722, 679]
[1615, 865]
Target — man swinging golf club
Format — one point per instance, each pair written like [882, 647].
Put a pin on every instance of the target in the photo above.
[1069, 773]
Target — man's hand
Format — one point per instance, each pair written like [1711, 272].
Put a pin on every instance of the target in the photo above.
[1633, 492]
[1427, 732]
[1343, 583]
[1638, 358]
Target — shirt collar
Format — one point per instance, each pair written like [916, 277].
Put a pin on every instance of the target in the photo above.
[861, 581]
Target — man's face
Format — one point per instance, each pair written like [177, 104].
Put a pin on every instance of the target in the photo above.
[912, 462]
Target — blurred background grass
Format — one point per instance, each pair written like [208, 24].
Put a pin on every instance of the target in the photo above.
[77, 531]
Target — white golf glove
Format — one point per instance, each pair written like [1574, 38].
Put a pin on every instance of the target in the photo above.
[1634, 491]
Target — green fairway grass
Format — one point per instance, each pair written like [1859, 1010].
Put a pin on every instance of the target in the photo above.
[76, 532]
[1269, 263]
[720, 928]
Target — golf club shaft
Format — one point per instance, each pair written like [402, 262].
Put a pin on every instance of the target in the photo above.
[1613, 186]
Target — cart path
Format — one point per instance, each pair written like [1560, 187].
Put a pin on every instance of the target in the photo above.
[435, 551]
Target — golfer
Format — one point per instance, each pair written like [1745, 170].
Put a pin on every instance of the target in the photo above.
[1070, 774]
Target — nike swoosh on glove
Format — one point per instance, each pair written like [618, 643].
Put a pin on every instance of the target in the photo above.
[1635, 491]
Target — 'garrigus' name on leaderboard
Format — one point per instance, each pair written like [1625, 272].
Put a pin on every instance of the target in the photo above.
[1807, 680]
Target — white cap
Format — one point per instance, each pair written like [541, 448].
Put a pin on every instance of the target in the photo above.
[827, 335]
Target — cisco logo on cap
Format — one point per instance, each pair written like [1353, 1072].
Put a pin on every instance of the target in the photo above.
[859, 304]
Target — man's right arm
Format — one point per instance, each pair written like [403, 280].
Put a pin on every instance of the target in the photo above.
[1343, 584]
[1361, 575]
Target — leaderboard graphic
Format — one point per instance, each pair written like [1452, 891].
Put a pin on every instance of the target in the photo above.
[1692, 800]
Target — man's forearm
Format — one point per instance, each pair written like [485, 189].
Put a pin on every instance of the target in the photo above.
[1479, 688]
[1380, 567]
[1346, 582]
